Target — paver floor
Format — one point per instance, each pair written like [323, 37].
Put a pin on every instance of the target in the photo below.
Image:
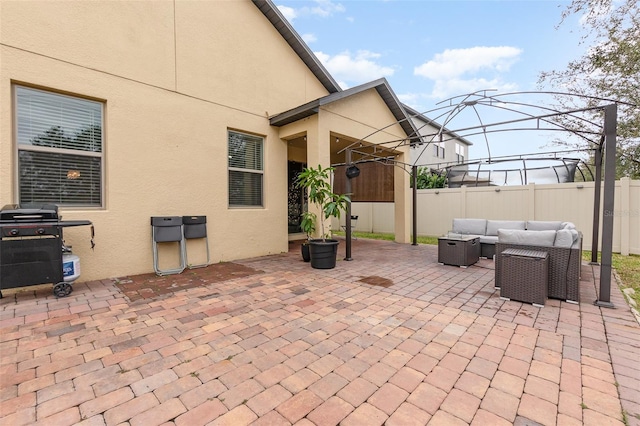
[286, 344]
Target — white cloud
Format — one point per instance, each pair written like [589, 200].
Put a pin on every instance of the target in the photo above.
[309, 38]
[322, 8]
[456, 71]
[354, 69]
[446, 88]
[410, 99]
[289, 13]
[326, 8]
[456, 62]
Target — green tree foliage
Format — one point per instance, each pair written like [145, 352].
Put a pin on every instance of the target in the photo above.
[428, 180]
[318, 186]
[609, 69]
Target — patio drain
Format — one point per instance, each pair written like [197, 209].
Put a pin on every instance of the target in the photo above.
[378, 281]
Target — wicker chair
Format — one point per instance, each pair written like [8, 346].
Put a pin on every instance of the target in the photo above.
[564, 269]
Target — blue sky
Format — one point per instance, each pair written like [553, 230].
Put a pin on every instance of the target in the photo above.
[430, 51]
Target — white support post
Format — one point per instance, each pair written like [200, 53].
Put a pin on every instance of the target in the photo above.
[625, 215]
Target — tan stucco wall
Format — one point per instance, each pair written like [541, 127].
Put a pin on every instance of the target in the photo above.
[360, 117]
[364, 123]
[174, 77]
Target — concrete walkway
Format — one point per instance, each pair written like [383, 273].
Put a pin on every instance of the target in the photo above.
[389, 338]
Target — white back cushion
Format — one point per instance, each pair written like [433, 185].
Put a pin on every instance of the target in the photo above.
[469, 226]
[544, 225]
[566, 238]
[532, 238]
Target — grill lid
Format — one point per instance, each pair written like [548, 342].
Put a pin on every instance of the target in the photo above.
[29, 212]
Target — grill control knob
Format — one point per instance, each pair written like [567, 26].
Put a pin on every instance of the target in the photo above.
[40, 231]
[13, 232]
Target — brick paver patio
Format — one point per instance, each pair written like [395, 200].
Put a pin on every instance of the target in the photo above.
[286, 344]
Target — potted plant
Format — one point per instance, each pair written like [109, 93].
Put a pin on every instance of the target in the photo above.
[323, 250]
[308, 226]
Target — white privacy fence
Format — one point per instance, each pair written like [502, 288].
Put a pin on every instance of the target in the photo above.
[569, 202]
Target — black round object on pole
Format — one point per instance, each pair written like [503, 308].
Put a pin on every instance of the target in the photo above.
[352, 172]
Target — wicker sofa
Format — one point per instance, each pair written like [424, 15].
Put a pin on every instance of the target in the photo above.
[560, 240]
[487, 230]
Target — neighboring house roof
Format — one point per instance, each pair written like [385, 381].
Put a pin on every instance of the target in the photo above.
[297, 44]
[413, 113]
[381, 86]
[269, 9]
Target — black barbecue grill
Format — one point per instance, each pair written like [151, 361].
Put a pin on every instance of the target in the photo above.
[32, 246]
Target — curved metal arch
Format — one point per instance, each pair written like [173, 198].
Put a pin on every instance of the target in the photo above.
[495, 101]
[559, 128]
[523, 172]
[608, 141]
[492, 100]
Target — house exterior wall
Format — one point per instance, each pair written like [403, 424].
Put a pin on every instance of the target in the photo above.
[348, 117]
[364, 124]
[425, 154]
[173, 77]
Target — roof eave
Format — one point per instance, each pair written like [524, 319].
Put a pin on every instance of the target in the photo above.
[382, 87]
[295, 114]
[395, 106]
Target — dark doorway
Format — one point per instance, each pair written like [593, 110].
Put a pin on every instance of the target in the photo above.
[296, 203]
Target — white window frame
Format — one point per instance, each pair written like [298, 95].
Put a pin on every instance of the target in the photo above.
[460, 153]
[258, 170]
[69, 124]
[439, 149]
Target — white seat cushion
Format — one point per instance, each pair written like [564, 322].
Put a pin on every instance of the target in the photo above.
[488, 239]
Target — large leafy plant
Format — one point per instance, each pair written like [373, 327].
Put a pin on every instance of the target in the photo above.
[317, 183]
[427, 180]
[308, 224]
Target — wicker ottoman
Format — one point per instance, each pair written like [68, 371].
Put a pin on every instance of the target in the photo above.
[458, 250]
[525, 275]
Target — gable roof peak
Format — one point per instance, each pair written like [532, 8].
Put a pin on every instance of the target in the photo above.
[273, 14]
[384, 90]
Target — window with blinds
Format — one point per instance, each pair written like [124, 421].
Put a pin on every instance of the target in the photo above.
[59, 141]
[246, 170]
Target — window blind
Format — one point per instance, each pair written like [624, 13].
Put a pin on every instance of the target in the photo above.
[245, 170]
[59, 148]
